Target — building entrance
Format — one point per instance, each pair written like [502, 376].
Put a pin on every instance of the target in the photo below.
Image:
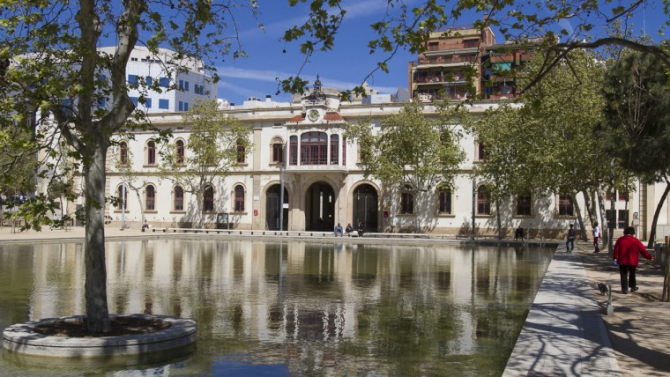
[365, 207]
[272, 206]
[320, 207]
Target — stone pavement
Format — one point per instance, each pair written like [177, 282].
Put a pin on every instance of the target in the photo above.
[564, 334]
[639, 328]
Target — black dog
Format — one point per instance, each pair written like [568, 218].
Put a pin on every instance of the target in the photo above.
[602, 288]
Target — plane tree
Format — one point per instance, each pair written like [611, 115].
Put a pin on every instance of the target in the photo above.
[216, 144]
[411, 150]
[546, 143]
[56, 68]
[637, 127]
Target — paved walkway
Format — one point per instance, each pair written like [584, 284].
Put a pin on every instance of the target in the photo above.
[564, 334]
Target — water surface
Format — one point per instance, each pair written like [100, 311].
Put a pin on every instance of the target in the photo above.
[291, 308]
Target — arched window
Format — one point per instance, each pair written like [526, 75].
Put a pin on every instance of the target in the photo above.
[239, 198]
[178, 199]
[123, 198]
[150, 199]
[314, 148]
[483, 201]
[481, 151]
[180, 152]
[334, 149]
[523, 205]
[208, 200]
[123, 153]
[277, 150]
[565, 207]
[407, 201]
[241, 152]
[151, 153]
[444, 200]
[293, 150]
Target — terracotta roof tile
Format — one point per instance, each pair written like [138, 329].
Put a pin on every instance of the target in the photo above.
[333, 117]
[298, 118]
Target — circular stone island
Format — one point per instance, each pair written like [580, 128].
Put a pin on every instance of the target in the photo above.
[172, 334]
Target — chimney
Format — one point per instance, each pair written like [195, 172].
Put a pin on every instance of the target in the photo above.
[268, 98]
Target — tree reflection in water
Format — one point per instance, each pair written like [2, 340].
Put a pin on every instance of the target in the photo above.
[308, 308]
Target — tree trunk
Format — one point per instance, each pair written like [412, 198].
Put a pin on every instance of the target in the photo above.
[139, 200]
[603, 218]
[417, 224]
[657, 212]
[500, 235]
[580, 220]
[590, 207]
[96, 274]
[611, 224]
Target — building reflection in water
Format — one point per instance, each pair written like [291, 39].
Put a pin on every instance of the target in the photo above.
[318, 307]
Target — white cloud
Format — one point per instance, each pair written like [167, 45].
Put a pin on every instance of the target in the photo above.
[272, 75]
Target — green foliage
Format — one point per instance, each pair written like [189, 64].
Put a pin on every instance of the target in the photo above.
[407, 26]
[57, 71]
[410, 148]
[637, 127]
[211, 150]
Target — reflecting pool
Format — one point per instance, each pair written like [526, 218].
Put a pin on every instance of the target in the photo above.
[291, 308]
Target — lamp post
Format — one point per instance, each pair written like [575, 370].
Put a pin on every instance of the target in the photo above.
[281, 199]
[474, 196]
[123, 201]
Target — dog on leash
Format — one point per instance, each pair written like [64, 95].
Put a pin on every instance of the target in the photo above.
[602, 288]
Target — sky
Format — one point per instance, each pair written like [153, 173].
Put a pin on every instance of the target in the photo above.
[346, 65]
[343, 68]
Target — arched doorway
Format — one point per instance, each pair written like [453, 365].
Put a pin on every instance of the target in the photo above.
[365, 207]
[320, 207]
[272, 205]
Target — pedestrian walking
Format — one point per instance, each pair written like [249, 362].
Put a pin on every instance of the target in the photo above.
[596, 236]
[626, 252]
[518, 234]
[570, 243]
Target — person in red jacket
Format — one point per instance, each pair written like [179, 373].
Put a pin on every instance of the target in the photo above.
[626, 252]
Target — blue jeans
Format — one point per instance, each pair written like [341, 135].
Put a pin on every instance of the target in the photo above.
[338, 231]
[570, 244]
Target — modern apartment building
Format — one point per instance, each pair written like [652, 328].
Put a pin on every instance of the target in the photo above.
[465, 62]
[178, 89]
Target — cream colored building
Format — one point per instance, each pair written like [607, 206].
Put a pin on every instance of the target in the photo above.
[323, 183]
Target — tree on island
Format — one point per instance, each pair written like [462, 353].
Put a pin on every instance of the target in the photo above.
[216, 144]
[55, 69]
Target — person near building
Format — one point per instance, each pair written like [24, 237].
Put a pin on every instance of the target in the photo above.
[349, 229]
[518, 233]
[596, 236]
[570, 243]
[338, 230]
[626, 252]
[361, 229]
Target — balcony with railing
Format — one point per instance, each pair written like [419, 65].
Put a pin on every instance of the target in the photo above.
[439, 77]
[454, 94]
[448, 59]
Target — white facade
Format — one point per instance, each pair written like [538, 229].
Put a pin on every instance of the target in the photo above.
[192, 85]
[320, 194]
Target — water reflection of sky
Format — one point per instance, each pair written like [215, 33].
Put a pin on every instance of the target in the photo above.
[298, 308]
